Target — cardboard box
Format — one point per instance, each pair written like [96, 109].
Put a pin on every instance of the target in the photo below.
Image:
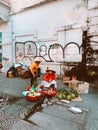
[73, 84]
[83, 88]
[66, 78]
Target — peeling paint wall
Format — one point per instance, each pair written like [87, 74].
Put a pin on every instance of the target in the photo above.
[54, 28]
[6, 44]
[24, 4]
[4, 12]
[93, 27]
[49, 25]
[51, 29]
[5, 29]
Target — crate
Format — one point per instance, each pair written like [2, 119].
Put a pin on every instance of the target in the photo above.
[66, 78]
[83, 88]
[73, 84]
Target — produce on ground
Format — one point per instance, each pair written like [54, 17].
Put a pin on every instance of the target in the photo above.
[67, 94]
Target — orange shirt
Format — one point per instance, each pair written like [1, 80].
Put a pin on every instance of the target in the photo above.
[49, 77]
[34, 67]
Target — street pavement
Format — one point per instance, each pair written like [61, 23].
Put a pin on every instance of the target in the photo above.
[14, 113]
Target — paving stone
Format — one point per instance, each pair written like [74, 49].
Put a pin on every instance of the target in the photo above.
[17, 110]
[29, 104]
[6, 99]
[44, 105]
[92, 123]
[63, 113]
[22, 125]
[10, 122]
[24, 102]
[90, 101]
[15, 87]
[49, 122]
[22, 107]
[6, 120]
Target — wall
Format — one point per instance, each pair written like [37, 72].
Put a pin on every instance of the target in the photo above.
[93, 28]
[4, 11]
[6, 44]
[8, 1]
[5, 29]
[53, 30]
[24, 4]
[50, 29]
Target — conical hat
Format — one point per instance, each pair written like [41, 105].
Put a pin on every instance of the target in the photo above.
[50, 69]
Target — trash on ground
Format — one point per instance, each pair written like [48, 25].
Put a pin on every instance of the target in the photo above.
[75, 109]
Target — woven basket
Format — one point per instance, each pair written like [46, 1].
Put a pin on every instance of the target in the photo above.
[10, 75]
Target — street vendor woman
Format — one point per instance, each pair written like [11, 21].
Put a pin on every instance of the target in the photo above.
[34, 70]
[49, 79]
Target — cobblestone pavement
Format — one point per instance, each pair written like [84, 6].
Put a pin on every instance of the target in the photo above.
[21, 108]
[15, 107]
[56, 117]
[10, 122]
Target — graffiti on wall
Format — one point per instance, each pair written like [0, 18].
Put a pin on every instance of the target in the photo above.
[27, 51]
[56, 52]
[43, 51]
[70, 53]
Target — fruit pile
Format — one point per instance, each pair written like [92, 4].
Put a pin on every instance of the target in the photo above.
[50, 92]
[67, 94]
[32, 95]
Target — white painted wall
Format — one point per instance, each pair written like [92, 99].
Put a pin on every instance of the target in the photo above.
[5, 28]
[18, 6]
[58, 22]
[44, 24]
[4, 11]
[44, 19]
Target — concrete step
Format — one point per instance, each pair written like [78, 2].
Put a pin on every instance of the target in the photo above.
[58, 118]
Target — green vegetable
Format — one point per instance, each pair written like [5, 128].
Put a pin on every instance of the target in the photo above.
[69, 97]
[64, 96]
[73, 95]
[59, 97]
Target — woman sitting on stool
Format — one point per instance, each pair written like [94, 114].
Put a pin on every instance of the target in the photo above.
[49, 79]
